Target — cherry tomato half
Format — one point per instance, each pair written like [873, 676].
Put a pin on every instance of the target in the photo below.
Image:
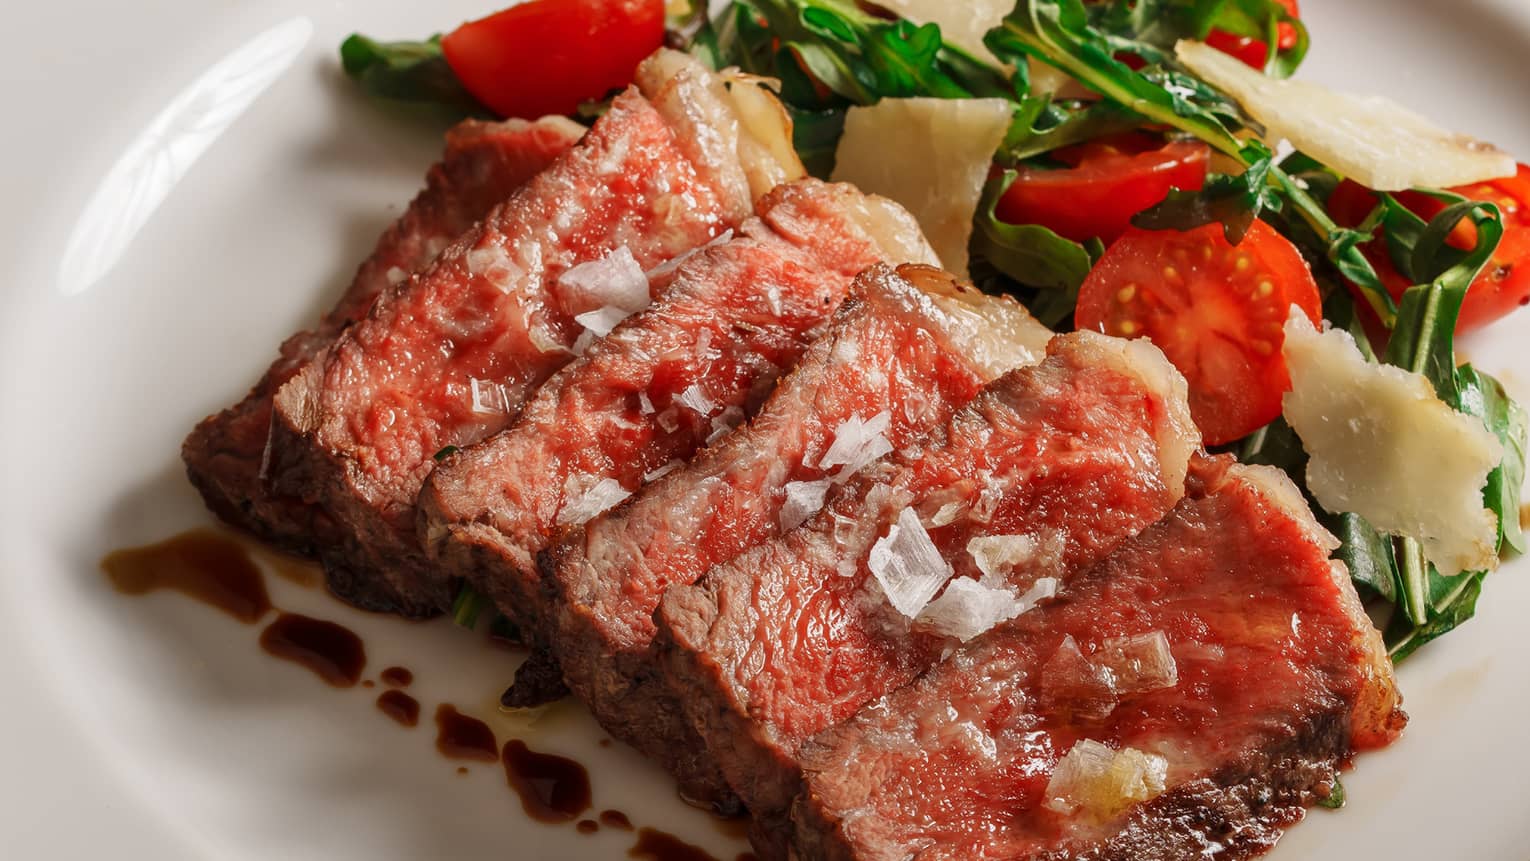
[1250, 50]
[547, 56]
[1502, 286]
[1216, 310]
[1106, 183]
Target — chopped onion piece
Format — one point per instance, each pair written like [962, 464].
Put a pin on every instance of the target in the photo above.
[907, 565]
[1139, 663]
[585, 497]
[615, 280]
[803, 500]
[857, 442]
[1101, 782]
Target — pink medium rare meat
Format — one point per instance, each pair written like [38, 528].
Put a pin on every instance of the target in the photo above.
[483, 163]
[1059, 462]
[910, 347]
[687, 369]
[448, 357]
[1016, 747]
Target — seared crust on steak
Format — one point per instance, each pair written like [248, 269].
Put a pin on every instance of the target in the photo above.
[1271, 697]
[483, 164]
[915, 355]
[449, 357]
[1079, 453]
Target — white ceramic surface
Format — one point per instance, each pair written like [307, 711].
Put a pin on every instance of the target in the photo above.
[185, 184]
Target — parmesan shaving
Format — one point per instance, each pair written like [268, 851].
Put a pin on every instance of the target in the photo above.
[1385, 447]
[1375, 142]
[930, 155]
[907, 565]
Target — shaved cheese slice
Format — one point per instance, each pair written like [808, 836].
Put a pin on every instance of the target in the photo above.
[1383, 446]
[907, 565]
[932, 156]
[1373, 141]
[1101, 782]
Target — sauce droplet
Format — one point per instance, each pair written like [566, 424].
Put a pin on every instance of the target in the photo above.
[331, 651]
[200, 564]
[396, 677]
[404, 709]
[588, 826]
[615, 819]
[663, 846]
[462, 769]
[459, 736]
[552, 788]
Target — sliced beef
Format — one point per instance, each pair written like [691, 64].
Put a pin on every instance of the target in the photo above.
[911, 355]
[1277, 678]
[449, 357]
[483, 164]
[1069, 458]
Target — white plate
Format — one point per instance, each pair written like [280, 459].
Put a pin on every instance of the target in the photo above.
[155, 727]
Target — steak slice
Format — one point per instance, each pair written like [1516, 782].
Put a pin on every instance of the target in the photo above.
[449, 357]
[1279, 678]
[482, 165]
[651, 393]
[1073, 455]
[915, 353]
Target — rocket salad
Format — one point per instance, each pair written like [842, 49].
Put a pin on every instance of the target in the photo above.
[1140, 187]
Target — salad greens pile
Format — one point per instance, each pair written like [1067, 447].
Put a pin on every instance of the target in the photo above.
[832, 54]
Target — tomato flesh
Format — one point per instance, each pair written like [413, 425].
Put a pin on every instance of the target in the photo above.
[1504, 283]
[1217, 311]
[547, 56]
[1253, 51]
[1106, 183]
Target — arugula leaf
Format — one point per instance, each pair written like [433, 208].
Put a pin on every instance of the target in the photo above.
[1027, 253]
[467, 606]
[1335, 798]
[1232, 200]
[1063, 34]
[406, 72]
[1404, 637]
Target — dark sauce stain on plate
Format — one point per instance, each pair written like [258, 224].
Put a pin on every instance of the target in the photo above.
[402, 708]
[615, 819]
[659, 845]
[396, 677]
[201, 564]
[333, 652]
[459, 736]
[552, 788]
[587, 826]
